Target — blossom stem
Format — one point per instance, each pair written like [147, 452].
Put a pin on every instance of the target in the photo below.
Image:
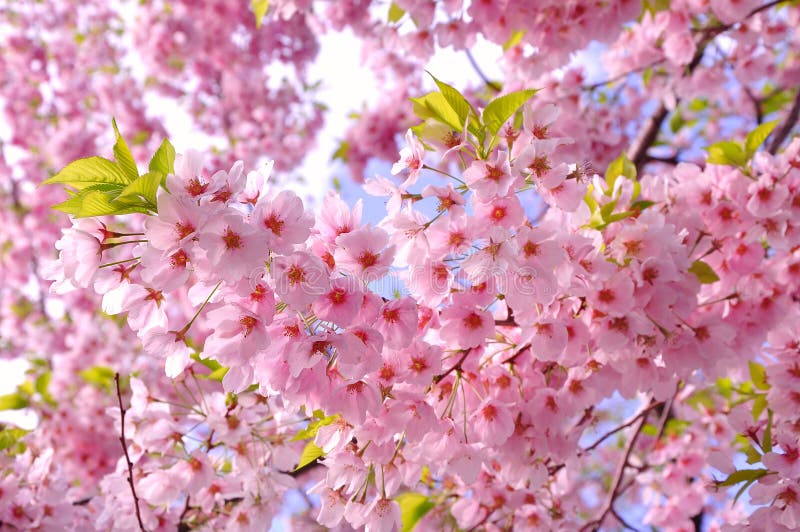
[118, 262]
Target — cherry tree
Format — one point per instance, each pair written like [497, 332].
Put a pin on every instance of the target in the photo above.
[578, 310]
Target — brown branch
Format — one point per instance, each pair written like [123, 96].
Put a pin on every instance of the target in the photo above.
[183, 527]
[756, 104]
[648, 135]
[513, 357]
[618, 476]
[457, 365]
[623, 75]
[625, 425]
[489, 83]
[509, 321]
[786, 127]
[127, 457]
[673, 159]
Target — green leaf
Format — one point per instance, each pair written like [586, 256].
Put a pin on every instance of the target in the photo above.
[647, 75]
[654, 6]
[757, 137]
[726, 153]
[310, 453]
[163, 160]
[743, 475]
[41, 385]
[775, 101]
[703, 272]
[758, 375]
[260, 8]
[10, 436]
[648, 429]
[218, 374]
[123, 155]
[457, 102]
[759, 404]
[499, 110]
[676, 122]
[725, 387]
[395, 13]
[13, 401]
[100, 376]
[514, 40]
[752, 454]
[88, 172]
[698, 104]
[413, 507]
[589, 199]
[641, 205]
[210, 363]
[144, 189]
[342, 152]
[676, 427]
[434, 105]
[311, 430]
[97, 200]
[766, 442]
[621, 166]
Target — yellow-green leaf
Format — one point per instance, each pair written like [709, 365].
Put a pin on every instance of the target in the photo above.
[163, 160]
[100, 376]
[311, 430]
[42, 386]
[742, 475]
[88, 172]
[123, 155]
[757, 137]
[218, 374]
[499, 110]
[10, 436]
[727, 153]
[457, 102]
[704, 273]
[310, 453]
[759, 405]
[758, 375]
[13, 401]
[145, 188]
[413, 507]
[260, 8]
[621, 166]
[97, 200]
[395, 12]
[514, 40]
[766, 442]
[434, 105]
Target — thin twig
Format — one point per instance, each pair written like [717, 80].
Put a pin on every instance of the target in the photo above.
[125, 450]
[756, 104]
[622, 75]
[625, 425]
[489, 83]
[457, 365]
[648, 135]
[786, 127]
[620, 473]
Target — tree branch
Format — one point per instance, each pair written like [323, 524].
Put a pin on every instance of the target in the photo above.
[457, 365]
[620, 473]
[786, 127]
[647, 136]
[625, 425]
[489, 83]
[127, 457]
